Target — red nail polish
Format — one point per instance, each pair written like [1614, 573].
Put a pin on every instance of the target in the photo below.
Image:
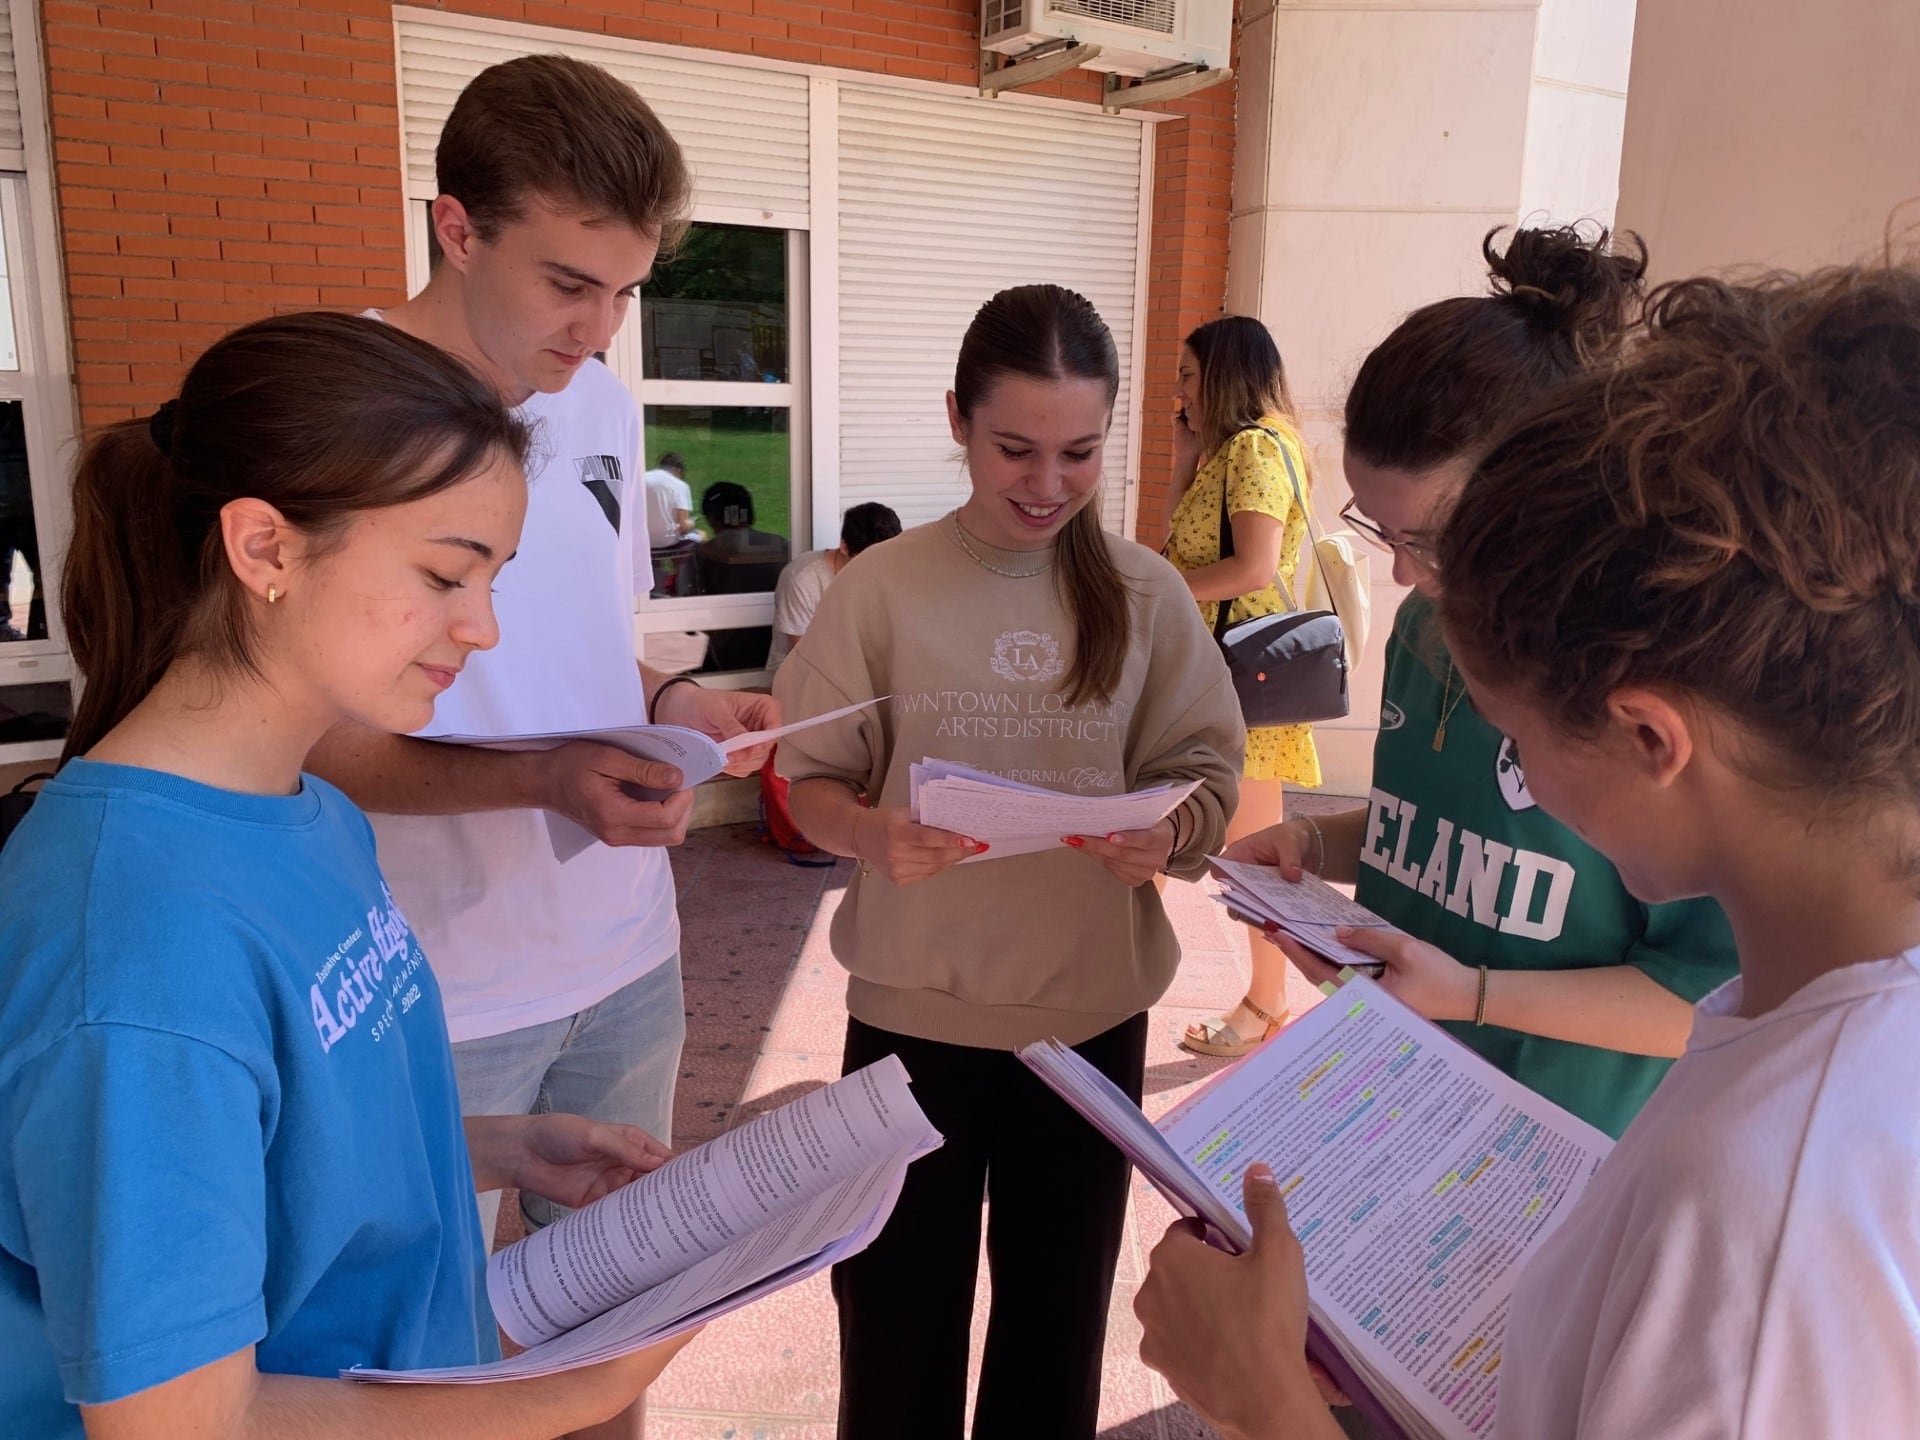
[1074, 840]
[984, 847]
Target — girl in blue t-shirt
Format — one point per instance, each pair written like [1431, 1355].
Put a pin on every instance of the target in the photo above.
[234, 1160]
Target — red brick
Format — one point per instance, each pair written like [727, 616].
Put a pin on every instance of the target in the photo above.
[347, 47]
[95, 37]
[224, 228]
[261, 167]
[153, 22]
[264, 209]
[188, 72]
[170, 246]
[217, 186]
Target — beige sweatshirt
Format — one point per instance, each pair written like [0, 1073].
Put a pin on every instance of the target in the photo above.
[998, 953]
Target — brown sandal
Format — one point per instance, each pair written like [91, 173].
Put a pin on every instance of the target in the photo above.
[1217, 1037]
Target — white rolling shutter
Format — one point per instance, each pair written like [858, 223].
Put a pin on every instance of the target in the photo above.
[943, 201]
[13, 152]
[744, 129]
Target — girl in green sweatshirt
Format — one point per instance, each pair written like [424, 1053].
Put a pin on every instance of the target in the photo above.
[1513, 931]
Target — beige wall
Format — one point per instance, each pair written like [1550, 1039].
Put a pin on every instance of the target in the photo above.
[1777, 132]
[1378, 141]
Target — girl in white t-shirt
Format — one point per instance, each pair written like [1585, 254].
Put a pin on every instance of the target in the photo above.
[1689, 591]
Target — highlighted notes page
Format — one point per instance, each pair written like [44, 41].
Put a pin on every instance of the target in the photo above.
[1417, 1177]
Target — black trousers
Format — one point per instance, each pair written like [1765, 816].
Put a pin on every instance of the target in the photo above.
[1057, 1194]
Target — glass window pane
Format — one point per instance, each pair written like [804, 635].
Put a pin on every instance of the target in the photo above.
[35, 712]
[735, 463]
[9, 344]
[718, 309]
[23, 598]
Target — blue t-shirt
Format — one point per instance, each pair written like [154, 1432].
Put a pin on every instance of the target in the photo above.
[228, 1100]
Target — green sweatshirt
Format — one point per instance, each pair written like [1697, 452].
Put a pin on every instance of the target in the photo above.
[1457, 853]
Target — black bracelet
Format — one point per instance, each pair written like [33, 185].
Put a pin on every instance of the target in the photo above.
[653, 705]
[1175, 817]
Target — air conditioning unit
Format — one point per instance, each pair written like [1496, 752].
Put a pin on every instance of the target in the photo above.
[1136, 37]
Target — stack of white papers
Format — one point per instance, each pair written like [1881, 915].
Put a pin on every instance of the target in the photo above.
[1017, 819]
[768, 1204]
[1308, 909]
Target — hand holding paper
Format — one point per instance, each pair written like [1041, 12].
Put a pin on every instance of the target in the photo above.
[1017, 819]
[696, 756]
[1308, 910]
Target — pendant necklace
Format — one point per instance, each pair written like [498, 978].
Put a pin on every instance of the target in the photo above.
[1446, 710]
[960, 535]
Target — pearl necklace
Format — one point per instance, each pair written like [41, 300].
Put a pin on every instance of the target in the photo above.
[960, 535]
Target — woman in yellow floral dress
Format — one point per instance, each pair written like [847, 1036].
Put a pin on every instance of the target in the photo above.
[1234, 427]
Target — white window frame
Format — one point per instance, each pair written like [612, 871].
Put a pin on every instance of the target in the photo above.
[44, 382]
[732, 612]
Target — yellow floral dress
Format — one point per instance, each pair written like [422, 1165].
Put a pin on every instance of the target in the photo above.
[1251, 467]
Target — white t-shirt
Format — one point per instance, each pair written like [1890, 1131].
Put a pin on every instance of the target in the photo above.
[515, 937]
[667, 494]
[1746, 1263]
[796, 595]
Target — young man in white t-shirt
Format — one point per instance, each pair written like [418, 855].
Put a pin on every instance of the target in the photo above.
[561, 978]
[801, 585]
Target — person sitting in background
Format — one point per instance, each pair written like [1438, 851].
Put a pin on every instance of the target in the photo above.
[738, 560]
[671, 532]
[797, 594]
[669, 503]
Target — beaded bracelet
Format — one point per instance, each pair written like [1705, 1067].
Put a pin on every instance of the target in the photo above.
[1480, 1007]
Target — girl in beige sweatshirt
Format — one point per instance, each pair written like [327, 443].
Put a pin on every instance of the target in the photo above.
[1015, 636]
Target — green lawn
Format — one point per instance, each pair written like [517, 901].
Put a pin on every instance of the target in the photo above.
[758, 460]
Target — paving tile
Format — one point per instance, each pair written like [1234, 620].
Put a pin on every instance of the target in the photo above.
[779, 1357]
[812, 1016]
[685, 1425]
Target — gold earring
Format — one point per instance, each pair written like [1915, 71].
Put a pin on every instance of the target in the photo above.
[273, 594]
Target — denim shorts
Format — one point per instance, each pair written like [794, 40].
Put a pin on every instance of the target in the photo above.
[614, 1061]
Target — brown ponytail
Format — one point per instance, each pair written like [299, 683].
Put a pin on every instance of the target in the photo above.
[1046, 332]
[1451, 374]
[320, 415]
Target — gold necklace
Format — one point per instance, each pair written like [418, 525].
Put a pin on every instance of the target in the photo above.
[1446, 710]
[960, 534]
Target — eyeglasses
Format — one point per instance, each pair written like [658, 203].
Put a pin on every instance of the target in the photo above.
[1419, 549]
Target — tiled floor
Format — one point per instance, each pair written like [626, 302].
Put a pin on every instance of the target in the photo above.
[765, 1020]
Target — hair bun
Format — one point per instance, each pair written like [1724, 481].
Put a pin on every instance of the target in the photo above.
[1571, 279]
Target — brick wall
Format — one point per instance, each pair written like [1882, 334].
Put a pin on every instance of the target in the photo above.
[220, 160]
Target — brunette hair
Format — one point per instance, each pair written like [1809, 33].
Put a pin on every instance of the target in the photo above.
[1242, 378]
[727, 505]
[1733, 514]
[320, 415]
[1453, 373]
[568, 132]
[865, 526]
[1047, 332]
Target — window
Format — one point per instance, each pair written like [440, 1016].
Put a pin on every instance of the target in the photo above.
[713, 364]
[36, 702]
